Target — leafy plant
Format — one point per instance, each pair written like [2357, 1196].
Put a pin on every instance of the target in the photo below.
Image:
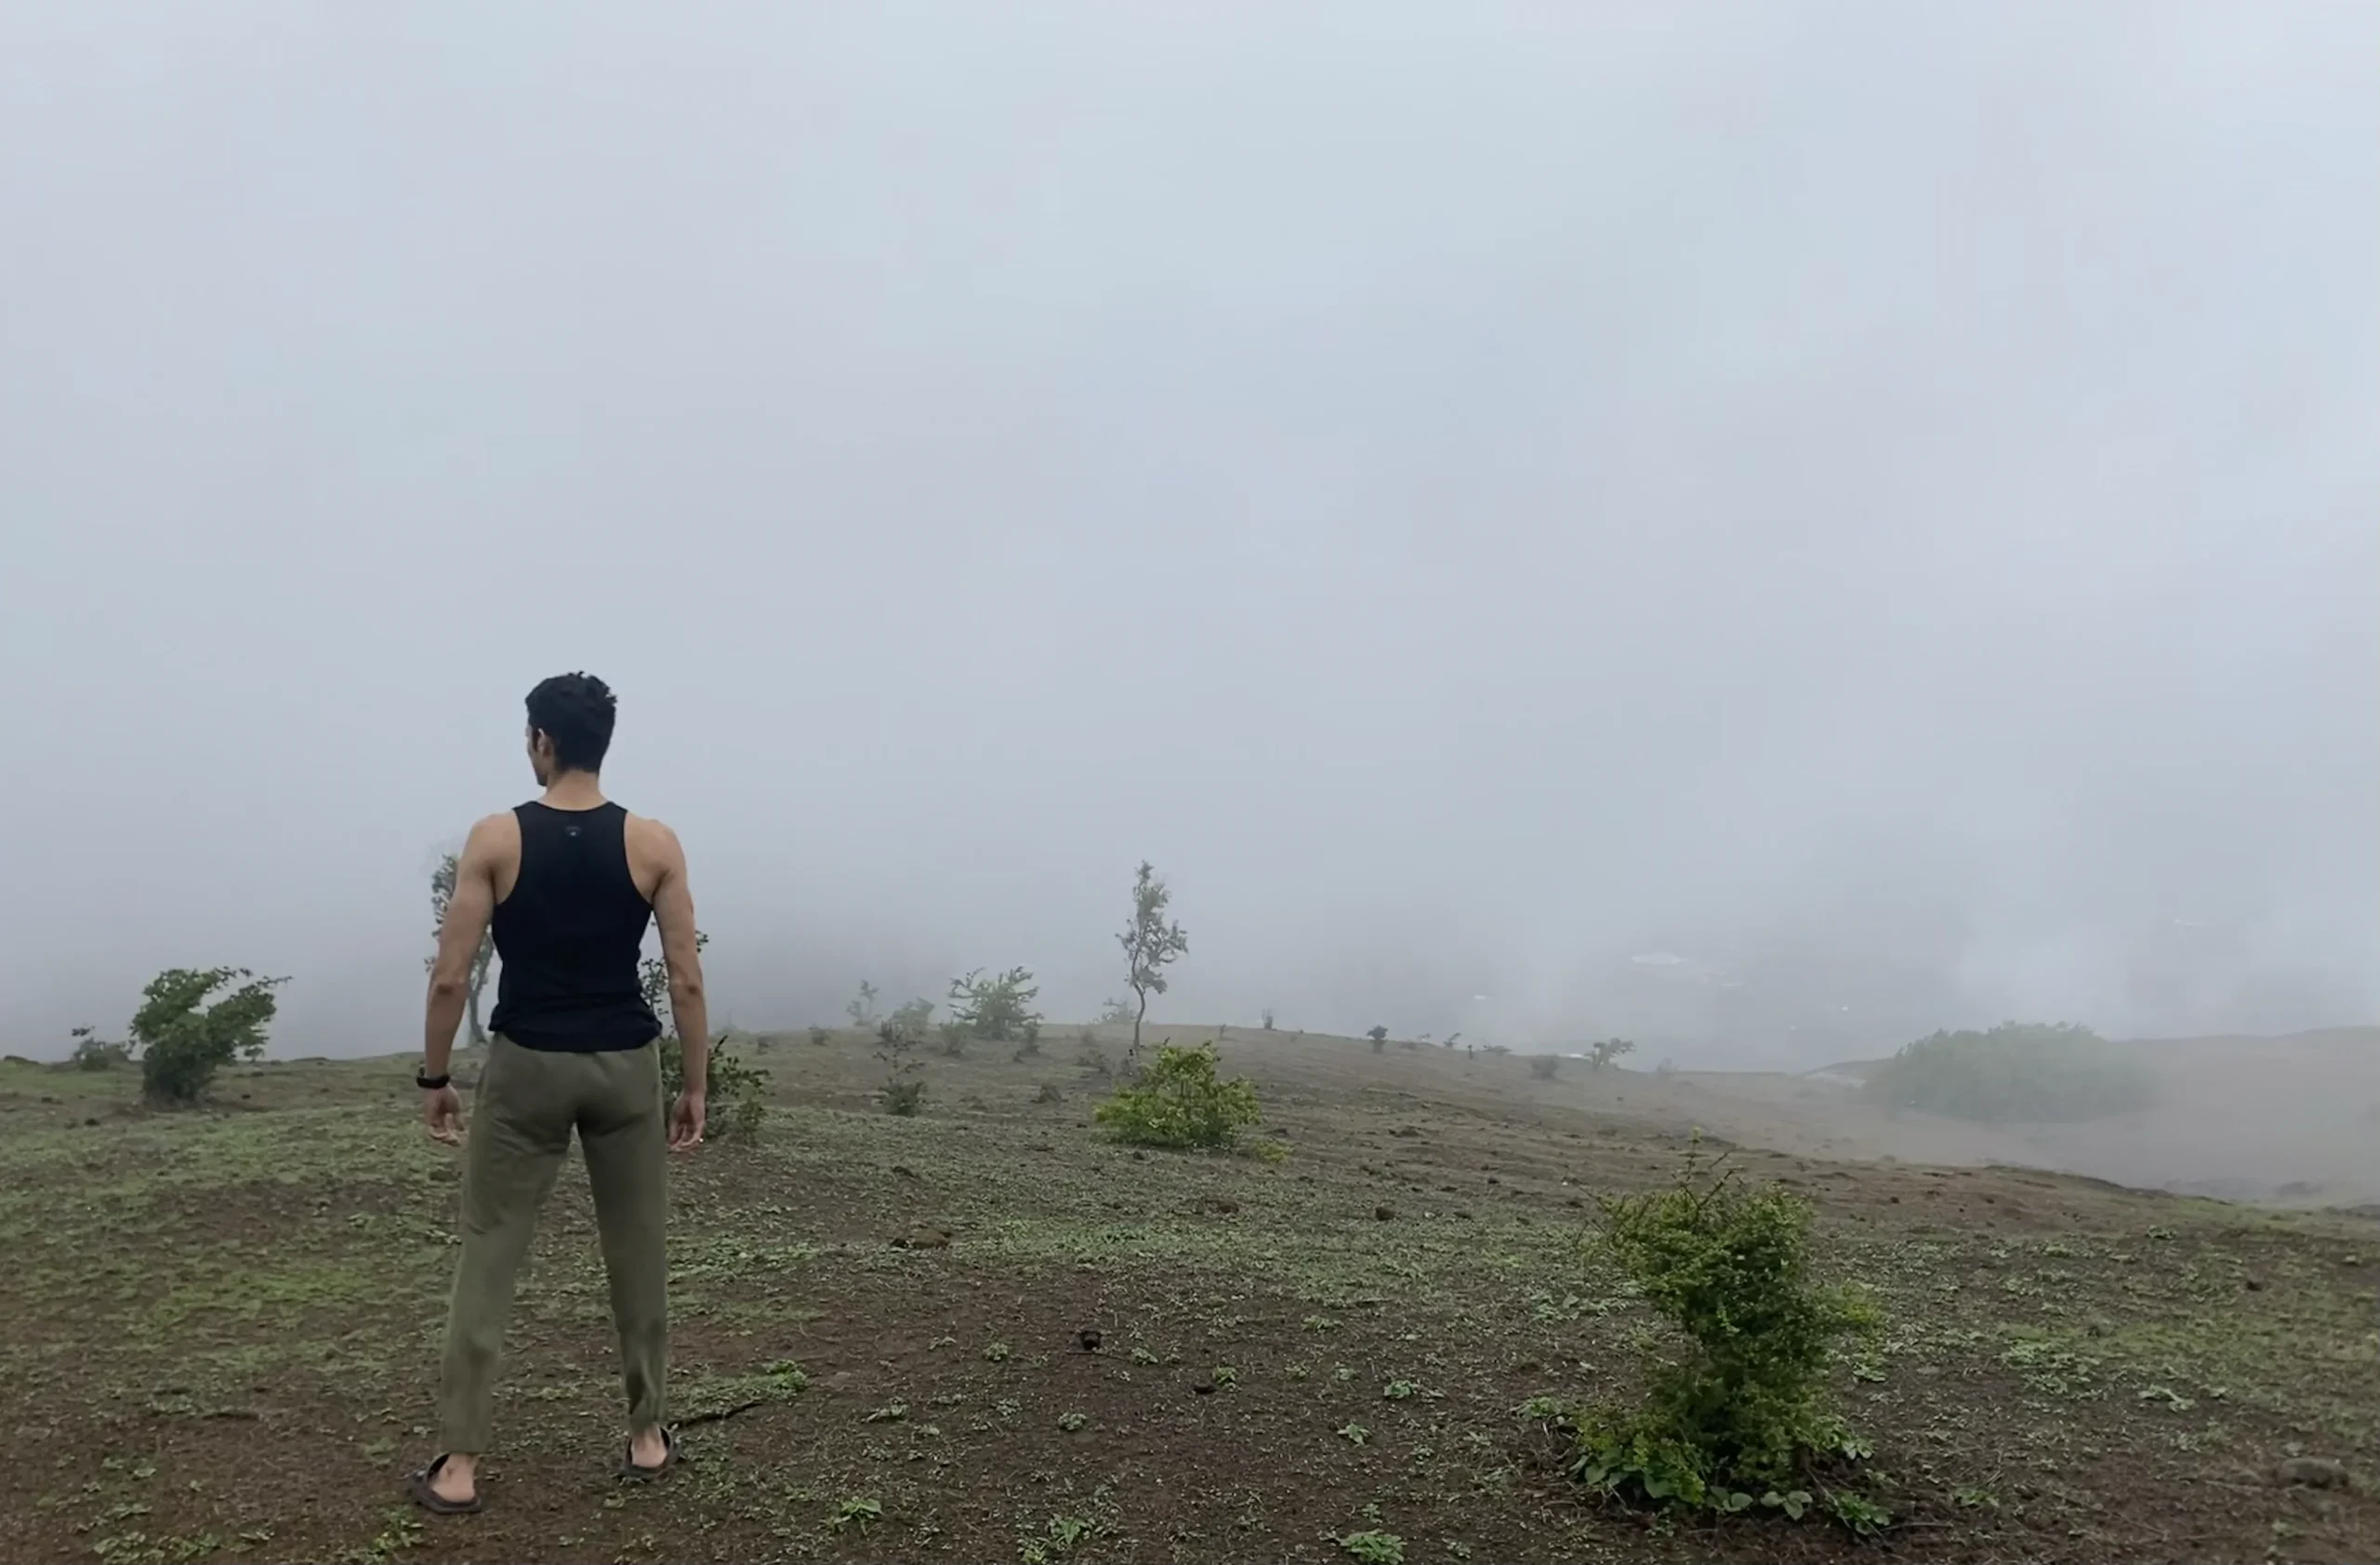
[862, 1009]
[998, 1009]
[1604, 1052]
[1180, 1102]
[94, 1053]
[441, 896]
[182, 1044]
[1373, 1547]
[858, 1513]
[1741, 1414]
[2015, 1072]
[903, 1090]
[736, 1091]
[1379, 1035]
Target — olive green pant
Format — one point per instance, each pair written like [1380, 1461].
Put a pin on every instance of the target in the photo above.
[529, 1101]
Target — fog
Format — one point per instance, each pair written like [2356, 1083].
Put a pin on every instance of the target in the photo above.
[1876, 502]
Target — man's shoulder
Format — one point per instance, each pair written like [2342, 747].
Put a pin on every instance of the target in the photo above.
[496, 833]
[647, 832]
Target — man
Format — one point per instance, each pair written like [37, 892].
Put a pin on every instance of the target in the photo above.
[569, 882]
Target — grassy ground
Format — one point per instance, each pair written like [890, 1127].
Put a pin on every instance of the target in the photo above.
[222, 1332]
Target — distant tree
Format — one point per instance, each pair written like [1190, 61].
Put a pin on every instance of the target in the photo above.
[1543, 1067]
[1151, 943]
[183, 1044]
[1114, 1012]
[1604, 1052]
[1268, 1018]
[441, 896]
[94, 1053]
[1379, 1036]
[862, 1011]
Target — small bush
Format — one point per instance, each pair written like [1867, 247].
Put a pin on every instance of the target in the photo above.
[182, 1046]
[2015, 1072]
[1093, 1058]
[820, 1037]
[1740, 1419]
[94, 1053]
[1604, 1052]
[735, 1095]
[1379, 1036]
[1049, 1093]
[1180, 1102]
[954, 1041]
[996, 1010]
[1544, 1066]
[896, 1044]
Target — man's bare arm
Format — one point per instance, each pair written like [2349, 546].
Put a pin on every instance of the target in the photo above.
[673, 910]
[458, 943]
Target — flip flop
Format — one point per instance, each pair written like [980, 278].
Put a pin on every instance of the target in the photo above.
[429, 1499]
[637, 1472]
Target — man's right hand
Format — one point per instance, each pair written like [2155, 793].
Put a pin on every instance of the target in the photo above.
[441, 1111]
[686, 1121]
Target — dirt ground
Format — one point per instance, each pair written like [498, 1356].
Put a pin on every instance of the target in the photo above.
[222, 1329]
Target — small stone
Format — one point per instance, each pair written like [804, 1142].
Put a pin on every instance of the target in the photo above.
[1384, 1213]
[2311, 1472]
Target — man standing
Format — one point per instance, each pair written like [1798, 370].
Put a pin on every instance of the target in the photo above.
[569, 882]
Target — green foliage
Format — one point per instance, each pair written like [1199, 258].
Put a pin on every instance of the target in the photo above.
[1379, 1036]
[441, 896]
[1544, 1066]
[735, 1091]
[1373, 1547]
[862, 1011]
[1604, 1052]
[1738, 1420]
[2015, 1072]
[996, 1010]
[183, 1044]
[1180, 1102]
[94, 1053]
[1151, 942]
[898, 1038]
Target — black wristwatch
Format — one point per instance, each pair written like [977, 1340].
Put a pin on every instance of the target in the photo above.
[431, 1083]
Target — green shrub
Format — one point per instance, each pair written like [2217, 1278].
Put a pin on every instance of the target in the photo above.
[1180, 1102]
[2015, 1072]
[897, 1039]
[181, 1045]
[94, 1053]
[1740, 1418]
[735, 1097]
[996, 1010]
[1603, 1051]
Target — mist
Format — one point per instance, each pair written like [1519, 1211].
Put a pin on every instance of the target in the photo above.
[1874, 502]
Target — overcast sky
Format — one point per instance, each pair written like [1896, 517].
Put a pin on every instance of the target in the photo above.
[1882, 498]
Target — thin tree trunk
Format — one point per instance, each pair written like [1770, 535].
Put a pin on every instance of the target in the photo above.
[1137, 1016]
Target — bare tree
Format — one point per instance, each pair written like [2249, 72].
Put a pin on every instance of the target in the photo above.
[441, 896]
[1151, 943]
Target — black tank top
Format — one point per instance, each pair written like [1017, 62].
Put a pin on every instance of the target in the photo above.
[570, 934]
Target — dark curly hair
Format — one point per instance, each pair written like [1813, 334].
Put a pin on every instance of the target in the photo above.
[575, 711]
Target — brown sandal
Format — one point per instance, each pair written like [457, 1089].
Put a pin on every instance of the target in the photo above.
[637, 1472]
[429, 1499]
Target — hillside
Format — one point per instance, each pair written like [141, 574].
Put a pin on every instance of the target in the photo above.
[223, 1331]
